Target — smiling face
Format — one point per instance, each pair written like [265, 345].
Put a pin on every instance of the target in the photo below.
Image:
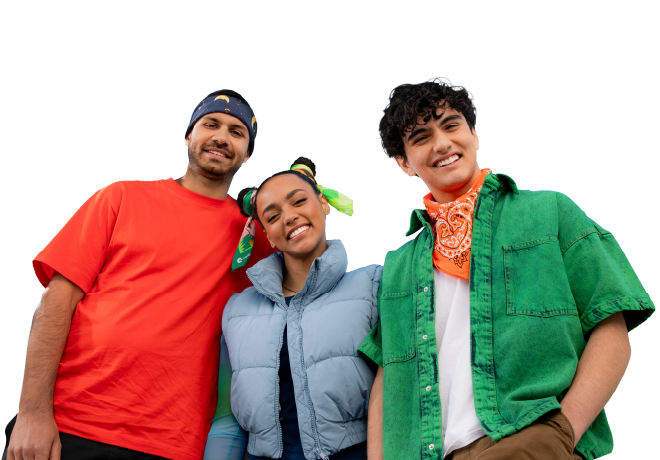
[217, 146]
[443, 153]
[293, 216]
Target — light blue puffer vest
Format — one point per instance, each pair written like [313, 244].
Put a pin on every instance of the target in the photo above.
[326, 323]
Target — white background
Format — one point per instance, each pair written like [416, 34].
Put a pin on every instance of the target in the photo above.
[567, 96]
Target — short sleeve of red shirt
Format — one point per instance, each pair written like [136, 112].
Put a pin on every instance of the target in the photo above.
[78, 251]
[140, 366]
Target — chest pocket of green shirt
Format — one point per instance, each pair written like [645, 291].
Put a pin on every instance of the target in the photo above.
[536, 280]
[397, 312]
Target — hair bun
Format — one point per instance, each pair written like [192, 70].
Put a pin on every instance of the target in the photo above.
[240, 200]
[307, 162]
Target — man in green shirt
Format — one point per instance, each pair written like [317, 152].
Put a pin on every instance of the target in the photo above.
[504, 324]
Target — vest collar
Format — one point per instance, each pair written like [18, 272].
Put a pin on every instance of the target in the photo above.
[324, 274]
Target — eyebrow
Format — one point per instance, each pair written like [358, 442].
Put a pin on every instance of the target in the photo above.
[287, 197]
[417, 131]
[425, 128]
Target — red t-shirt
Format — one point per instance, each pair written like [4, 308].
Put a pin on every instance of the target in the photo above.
[140, 366]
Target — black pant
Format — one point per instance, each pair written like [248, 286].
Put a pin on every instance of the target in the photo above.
[77, 448]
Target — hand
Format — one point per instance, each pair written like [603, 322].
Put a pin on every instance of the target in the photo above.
[35, 437]
[599, 371]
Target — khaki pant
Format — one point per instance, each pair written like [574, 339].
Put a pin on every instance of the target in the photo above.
[551, 437]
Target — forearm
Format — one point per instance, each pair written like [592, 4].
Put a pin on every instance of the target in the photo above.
[48, 335]
[598, 374]
[375, 419]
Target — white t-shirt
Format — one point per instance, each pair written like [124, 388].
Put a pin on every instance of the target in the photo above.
[460, 425]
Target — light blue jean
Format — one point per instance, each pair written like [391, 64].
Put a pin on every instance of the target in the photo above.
[226, 439]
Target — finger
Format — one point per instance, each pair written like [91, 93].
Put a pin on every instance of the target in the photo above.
[56, 451]
[43, 453]
[14, 454]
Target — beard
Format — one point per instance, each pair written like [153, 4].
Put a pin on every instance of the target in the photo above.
[212, 170]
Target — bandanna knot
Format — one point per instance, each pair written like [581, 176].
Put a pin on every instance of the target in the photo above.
[337, 200]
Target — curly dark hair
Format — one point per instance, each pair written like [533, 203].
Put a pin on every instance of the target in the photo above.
[299, 161]
[409, 102]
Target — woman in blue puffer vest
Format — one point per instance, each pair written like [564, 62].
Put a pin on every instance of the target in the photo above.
[298, 385]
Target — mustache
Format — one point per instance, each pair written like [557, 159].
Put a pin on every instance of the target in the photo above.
[218, 145]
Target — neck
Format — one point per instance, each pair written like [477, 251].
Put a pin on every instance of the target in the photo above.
[447, 195]
[296, 269]
[211, 188]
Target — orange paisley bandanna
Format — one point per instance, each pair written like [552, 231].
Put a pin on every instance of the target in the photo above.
[452, 230]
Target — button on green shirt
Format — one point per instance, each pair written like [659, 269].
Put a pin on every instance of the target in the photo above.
[542, 275]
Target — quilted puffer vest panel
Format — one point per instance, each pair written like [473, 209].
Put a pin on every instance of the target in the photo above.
[325, 324]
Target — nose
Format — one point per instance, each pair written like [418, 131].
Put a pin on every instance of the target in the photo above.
[221, 135]
[290, 215]
[441, 142]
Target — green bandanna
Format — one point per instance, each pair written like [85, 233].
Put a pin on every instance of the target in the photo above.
[337, 200]
[246, 242]
[247, 202]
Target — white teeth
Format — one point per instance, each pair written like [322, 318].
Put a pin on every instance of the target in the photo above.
[448, 161]
[217, 153]
[298, 231]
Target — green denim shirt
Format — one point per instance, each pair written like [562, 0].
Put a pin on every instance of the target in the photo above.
[542, 275]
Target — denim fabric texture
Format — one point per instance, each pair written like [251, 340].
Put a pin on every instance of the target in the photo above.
[325, 323]
[542, 275]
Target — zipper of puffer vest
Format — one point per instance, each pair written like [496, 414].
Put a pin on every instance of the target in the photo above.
[278, 412]
[312, 421]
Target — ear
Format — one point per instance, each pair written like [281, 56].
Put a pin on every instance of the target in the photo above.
[405, 167]
[246, 158]
[188, 141]
[272, 245]
[324, 204]
[476, 138]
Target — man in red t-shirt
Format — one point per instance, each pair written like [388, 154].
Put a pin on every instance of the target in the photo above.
[123, 354]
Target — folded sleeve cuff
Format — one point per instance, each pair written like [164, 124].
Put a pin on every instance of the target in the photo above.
[635, 311]
[371, 351]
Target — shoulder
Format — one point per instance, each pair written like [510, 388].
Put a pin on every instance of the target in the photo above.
[368, 274]
[562, 204]
[361, 283]
[248, 296]
[535, 196]
[243, 303]
[133, 186]
[118, 191]
[550, 210]
[404, 254]
[527, 197]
